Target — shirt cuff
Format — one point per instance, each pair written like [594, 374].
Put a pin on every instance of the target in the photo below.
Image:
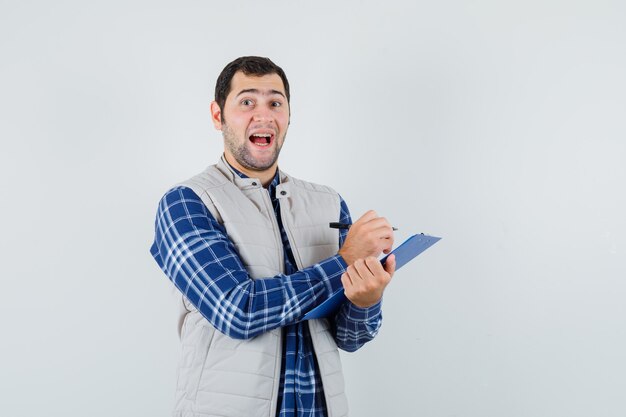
[332, 269]
[359, 314]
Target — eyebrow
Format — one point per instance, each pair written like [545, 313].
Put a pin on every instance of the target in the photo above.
[257, 91]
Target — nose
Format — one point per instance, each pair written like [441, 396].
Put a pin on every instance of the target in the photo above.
[263, 115]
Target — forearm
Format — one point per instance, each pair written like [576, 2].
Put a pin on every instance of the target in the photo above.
[193, 250]
[243, 308]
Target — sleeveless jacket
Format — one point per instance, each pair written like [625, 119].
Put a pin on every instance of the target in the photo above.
[223, 377]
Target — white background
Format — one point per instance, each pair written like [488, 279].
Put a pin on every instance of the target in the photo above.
[497, 125]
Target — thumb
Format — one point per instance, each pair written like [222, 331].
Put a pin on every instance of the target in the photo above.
[390, 264]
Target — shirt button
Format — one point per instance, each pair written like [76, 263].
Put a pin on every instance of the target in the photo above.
[254, 183]
[283, 193]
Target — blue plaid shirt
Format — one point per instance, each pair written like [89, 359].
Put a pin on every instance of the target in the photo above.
[194, 251]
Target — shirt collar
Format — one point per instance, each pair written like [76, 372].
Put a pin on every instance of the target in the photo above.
[270, 188]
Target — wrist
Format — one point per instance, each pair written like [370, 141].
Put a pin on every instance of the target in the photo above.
[367, 304]
[346, 258]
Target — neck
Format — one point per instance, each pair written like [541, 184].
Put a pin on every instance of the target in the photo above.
[265, 176]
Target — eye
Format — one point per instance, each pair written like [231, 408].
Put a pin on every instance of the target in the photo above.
[247, 102]
[276, 104]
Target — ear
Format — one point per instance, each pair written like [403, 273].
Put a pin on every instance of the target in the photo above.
[216, 115]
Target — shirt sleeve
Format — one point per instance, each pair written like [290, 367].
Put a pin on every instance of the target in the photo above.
[354, 326]
[194, 251]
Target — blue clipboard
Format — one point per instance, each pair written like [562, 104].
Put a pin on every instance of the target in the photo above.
[408, 250]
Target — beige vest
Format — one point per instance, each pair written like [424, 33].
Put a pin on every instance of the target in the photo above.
[222, 377]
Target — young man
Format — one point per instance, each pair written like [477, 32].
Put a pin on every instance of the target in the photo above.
[250, 249]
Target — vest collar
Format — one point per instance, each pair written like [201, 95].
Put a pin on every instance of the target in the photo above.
[245, 183]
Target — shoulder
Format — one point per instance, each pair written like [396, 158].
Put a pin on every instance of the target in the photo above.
[180, 198]
[206, 180]
[182, 209]
[310, 186]
[194, 189]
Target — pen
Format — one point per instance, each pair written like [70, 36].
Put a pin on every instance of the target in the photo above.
[336, 225]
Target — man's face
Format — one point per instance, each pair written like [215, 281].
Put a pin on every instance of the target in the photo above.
[254, 122]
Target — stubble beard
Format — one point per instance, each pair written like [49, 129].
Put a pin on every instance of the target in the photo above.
[242, 154]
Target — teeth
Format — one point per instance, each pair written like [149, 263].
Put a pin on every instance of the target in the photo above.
[262, 135]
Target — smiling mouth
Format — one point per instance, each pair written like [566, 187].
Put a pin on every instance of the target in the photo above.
[261, 139]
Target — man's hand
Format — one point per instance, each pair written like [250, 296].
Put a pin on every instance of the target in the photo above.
[369, 236]
[365, 280]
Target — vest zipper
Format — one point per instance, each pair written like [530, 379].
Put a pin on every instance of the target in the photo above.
[279, 345]
[290, 238]
[270, 210]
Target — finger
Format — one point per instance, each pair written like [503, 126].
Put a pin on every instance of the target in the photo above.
[368, 216]
[353, 273]
[362, 269]
[374, 266]
[380, 278]
[380, 221]
[346, 280]
[382, 233]
[379, 228]
[377, 223]
[390, 264]
[386, 245]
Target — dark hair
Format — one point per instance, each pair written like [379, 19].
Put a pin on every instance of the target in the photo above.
[249, 65]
